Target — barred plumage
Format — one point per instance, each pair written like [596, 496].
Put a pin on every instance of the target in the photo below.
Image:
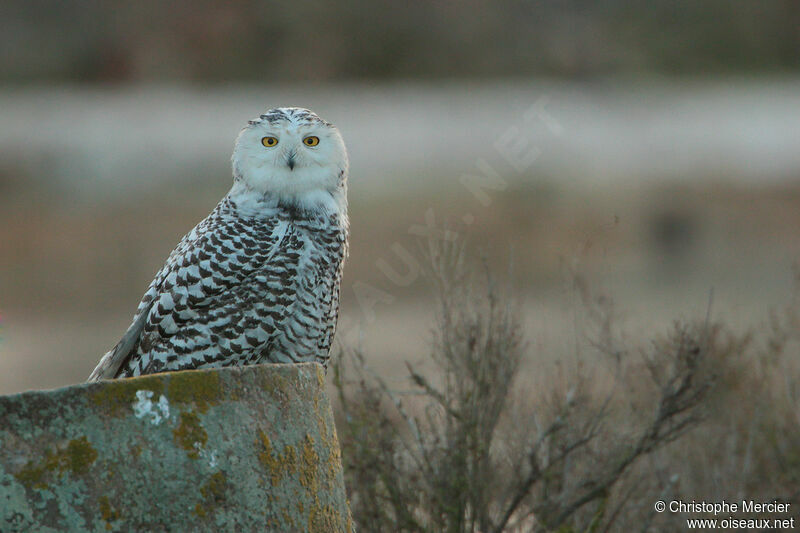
[258, 279]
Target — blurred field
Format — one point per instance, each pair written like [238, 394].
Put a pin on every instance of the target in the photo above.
[658, 194]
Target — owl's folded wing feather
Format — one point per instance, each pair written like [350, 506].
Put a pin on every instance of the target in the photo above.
[177, 279]
[113, 359]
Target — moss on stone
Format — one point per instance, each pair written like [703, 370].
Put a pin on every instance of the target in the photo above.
[334, 465]
[327, 433]
[213, 494]
[277, 385]
[288, 521]
[320, 517]
[309, 466]
[107, 512]
[76, 458]
[117, 398]
[32, 476]
[277, 464]
[266, 458]
[79, 456]
[136, 451]
[200, 387]
[289, 459]
[190, 435]
[320, 377]
[323, 519]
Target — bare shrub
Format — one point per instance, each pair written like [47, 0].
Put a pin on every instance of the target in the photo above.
[749, 445]
[470, 447]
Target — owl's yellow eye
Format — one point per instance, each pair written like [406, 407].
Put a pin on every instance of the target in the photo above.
[311, 141]
[269, 142]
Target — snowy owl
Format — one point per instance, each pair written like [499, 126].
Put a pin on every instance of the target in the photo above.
[257, 280]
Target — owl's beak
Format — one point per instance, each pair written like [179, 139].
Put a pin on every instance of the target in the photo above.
[290, 161]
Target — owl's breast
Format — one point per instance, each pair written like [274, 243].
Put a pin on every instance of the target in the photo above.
[317, 251]
[302, 281]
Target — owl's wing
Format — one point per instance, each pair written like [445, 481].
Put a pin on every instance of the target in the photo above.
[186, 285]
[110, 363]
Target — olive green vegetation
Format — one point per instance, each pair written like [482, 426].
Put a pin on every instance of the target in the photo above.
[76, 458]
[250, 448]
[190, 435]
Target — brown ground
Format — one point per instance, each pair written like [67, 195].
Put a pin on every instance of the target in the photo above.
[71, 275]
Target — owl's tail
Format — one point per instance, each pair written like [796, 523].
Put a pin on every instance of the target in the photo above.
[112, 361]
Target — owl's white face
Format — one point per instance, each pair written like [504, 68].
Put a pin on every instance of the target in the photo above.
[294, 156]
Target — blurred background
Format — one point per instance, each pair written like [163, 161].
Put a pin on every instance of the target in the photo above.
[651, 146]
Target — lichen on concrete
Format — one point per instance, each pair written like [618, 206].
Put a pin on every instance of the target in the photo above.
[201, 388]
[309, 465]
[190, 435]
[278, 387]
[117, 400]
[76, 458]
[277, 464]
[154, 411]
[107, 512]
[323, 518]
[213, 494]
[235, 449]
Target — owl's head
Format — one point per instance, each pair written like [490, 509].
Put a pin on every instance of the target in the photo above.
[292, 155]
